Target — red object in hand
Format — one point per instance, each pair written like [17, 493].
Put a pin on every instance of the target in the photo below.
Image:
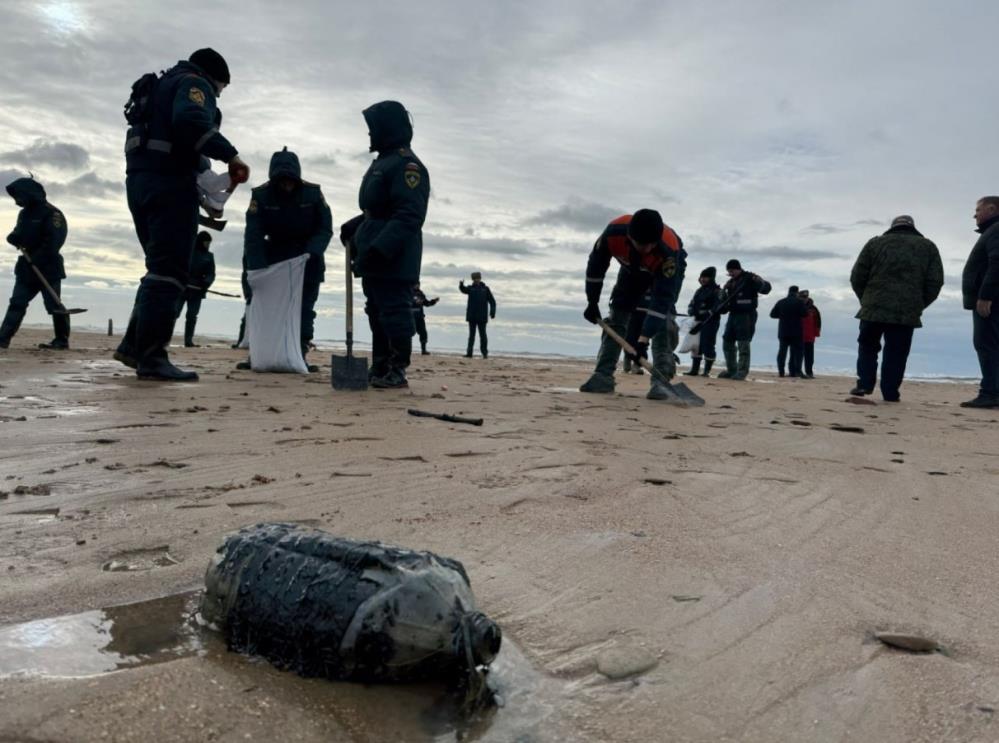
[239, 172]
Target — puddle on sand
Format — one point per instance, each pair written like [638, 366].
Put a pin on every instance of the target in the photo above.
[94, 643]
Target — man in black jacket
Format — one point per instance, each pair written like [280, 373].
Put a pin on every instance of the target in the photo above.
[386, 241]
[481, 308]
[41, 232]
[980, 291]
[789, 313]
[419, 317]
[202, 276]
[701, 307]
[740, 298]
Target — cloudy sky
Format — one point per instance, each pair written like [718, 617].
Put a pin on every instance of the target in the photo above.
[782, 133]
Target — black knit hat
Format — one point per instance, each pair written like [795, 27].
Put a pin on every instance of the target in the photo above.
[646, 226]
[211, 62]
[709, 272]
[733, 265]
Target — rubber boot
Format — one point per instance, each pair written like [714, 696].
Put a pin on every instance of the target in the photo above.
[125, 353]
[189, 324]
[730, 368]
[695, 367]
[708, 363]
[11, 322]
[156, 312]
[60, 323]
[598, 383]
[423, 350]
[743, 371]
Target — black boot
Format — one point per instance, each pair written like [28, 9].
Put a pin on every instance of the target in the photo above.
[156, 312]
[694, 367]
[125, 353]
[11, 322]
[708, 363]
[189, 324]
[423, 349]
[60, 323]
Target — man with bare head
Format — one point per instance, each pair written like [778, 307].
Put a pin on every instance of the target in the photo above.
[980, 291]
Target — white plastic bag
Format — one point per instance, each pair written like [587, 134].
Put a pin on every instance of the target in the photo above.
[274, 317]
[691, 342]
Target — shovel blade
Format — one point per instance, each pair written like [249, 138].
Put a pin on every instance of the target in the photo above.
[687, 396]
[349, 373]
[75, 311]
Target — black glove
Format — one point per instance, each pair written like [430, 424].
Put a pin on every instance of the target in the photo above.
[592, 313]
[641, 351]
[492, 315]
[348, 228]
[433, 301]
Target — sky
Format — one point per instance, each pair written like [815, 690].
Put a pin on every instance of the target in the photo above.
[784, 134]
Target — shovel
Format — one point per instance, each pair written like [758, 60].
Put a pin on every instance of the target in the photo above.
[349, 372]
[48, 287]
[680, 394]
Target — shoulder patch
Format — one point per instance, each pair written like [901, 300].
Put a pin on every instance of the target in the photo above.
[412, 178]
[412, 166]
[57, 219]
[252, 208]
[196, 95]
[669, 267]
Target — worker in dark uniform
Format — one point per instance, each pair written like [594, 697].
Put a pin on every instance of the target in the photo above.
[643, 302]
[480, 309]
[41, 231]
[701, 307]
[740, 298]
[174, 132]
[419, 302]
[386, 241]
[202, 276]
[289, 217]
[789, 312]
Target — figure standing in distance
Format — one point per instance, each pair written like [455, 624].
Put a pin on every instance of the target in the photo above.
[419, 317]
[702, 307]
[41, 232]
[811, 328]
[288, 217]
[480, 309]
[896, 276]
[202, 276]
[740, 298]
[386, 241]
[173, 132]
[980, 293]
[652, 263]
[789, 312]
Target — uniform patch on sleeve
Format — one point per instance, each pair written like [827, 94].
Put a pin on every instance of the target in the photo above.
[412, 178]
[57, 220]
[196, 95]
[252, 208]
[669, 267]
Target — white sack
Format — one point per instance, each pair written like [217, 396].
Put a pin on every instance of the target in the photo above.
[274, 317]
[691, 342]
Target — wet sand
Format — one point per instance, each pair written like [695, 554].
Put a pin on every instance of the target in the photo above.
[671, 574]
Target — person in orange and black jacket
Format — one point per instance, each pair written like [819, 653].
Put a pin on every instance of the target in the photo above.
[652, 263]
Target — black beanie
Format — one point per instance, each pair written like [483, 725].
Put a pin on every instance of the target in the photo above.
[204, 238]
[709, 272]
[211, 62]
[733, 265]
[646, 226]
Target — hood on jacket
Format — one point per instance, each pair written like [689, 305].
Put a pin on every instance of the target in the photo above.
[285, 164]
[26, 191]
[388, 126]
[903, 229]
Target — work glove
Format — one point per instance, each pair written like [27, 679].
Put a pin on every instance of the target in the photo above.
[492, 315]
[348, 228]
[433, 301]
[239, 172]
[641, 351]
[592, 313]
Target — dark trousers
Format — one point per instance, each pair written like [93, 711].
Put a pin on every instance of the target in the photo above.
[792, 346]
[389, 308]
[986, 340]
[192, 298]
[809, 349]
[483, 338]
[708, 339]
[421, 328]
[165, 213]
[897, 342]
[310, 295]
[26, 288]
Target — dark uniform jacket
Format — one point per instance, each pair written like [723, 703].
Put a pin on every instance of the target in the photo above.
[202, 273]
[897, 275]
[705, 300]
[420, 301]
[980, 279]
[387, 238]
[789, 313]
[481, 304]
[183, 127]
[742, 294]
[40, 229]
[282, 225]
[650, 283]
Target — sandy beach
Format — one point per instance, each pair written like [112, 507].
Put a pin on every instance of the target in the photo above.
[661, 574]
